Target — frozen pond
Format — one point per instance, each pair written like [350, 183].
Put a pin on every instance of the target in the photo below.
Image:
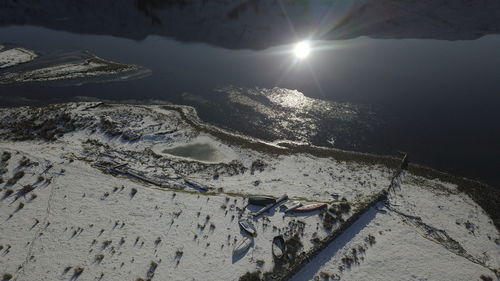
[198, 151]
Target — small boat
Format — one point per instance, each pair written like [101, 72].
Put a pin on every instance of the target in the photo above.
[247, 225]
[282, 198]
[242, 247]
[278, 246]
[270, 206]
[290, 206]
[310, 207]
[261, 200]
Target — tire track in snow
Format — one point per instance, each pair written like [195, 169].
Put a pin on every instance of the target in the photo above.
[429, 232]
[437, 236]
[42, 227]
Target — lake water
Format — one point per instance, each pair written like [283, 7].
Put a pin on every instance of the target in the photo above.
[437, 100]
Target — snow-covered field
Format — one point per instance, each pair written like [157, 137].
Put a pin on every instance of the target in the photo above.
[427, 231]
[92, 192]
[20, 65]
[15, 56]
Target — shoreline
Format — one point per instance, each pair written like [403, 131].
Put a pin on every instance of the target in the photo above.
[486, 200]
[482, 193]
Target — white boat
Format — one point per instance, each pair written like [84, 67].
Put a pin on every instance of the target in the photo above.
[247, 225]
[290, 206]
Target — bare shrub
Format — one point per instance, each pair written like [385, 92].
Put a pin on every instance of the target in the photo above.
[17, 176]
[6, 156]
[78, 271]
[98, 258]
[133, 192]
[485, 278]
[25, 190]
[251, 276]
[7, 193]
[24, 162]
[370, 240]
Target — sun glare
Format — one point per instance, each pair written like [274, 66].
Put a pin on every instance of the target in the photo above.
[302, 50]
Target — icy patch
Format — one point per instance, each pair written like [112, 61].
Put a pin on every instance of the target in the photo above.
[15, 56]
[202, 149]
[197, 151]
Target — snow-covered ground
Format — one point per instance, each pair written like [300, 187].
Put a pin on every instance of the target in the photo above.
[15, 56]
[396, 252]
[427, 231]
[76, 210]
[72, 68]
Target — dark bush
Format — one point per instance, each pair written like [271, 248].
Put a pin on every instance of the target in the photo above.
[328, 221]
[257, 165]
[348, 261]
[486, 278]
[251, 276]
[178, 254]
[293, 246]
[8, 192]
[324, 275]
[344, 207]
[6, 156]
[78, 271]
[105, 244]
[25, 190]
[99, 258]
[152, 269]
[24, 162]
[133, 192]
[370, 240]
[17, 176]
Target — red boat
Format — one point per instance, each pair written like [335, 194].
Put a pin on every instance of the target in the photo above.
[310, 207]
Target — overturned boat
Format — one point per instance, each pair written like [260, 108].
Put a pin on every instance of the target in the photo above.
[310, 207]
[278, 248]
[261, 200]
[242, 247]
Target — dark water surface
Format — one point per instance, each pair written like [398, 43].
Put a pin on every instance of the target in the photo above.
[438, 100]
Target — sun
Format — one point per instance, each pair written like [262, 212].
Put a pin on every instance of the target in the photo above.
[302, 50]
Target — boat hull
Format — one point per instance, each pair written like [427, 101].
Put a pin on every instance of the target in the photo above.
[310, 208]
[261, 200]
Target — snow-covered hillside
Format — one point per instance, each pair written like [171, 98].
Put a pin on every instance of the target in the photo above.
[92, 191]
[256, 24]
